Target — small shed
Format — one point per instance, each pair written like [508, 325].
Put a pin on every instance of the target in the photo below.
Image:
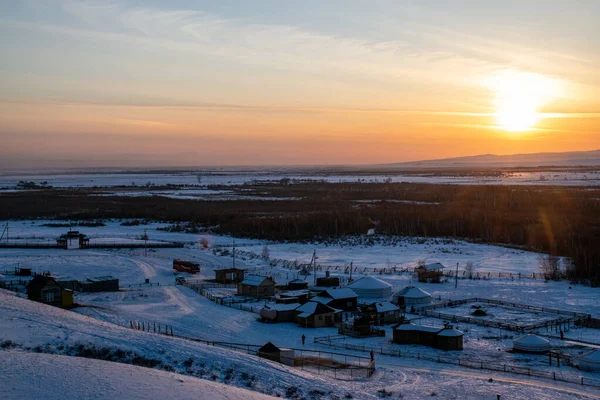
[449, 338]
[99, 284]
[45, 289]
[430, 272]
[382, 312]
[274, 353]
[277, 312]
[229, 275]
[411, 295]
[590, 361]
[531, 343]
[315, 315]
[256, 286]
[371, 288]
[328, 280]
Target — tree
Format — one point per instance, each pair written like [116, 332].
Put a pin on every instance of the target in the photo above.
[469, 269]
[550, 267]
[265, 253]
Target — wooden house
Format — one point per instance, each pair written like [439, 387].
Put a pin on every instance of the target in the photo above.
[229, 275]
[339, 298]
[328, 281]
[431, 273]
[297, 284]
[381, 313]
[446, 338]
[45, 289]
[256, 286]
[278, 312]
[316, 315]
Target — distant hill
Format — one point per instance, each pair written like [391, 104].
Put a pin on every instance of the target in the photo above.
[567, 159]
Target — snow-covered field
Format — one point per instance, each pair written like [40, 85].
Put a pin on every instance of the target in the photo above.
[49, 376]
[233, 177]
[40, 328]
[104, 317]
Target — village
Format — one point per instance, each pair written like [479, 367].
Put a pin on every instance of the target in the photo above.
[346, 322]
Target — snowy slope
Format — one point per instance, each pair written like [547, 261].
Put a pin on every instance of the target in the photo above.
[48, 376]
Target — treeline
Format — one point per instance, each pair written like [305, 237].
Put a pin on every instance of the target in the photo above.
[561, 221]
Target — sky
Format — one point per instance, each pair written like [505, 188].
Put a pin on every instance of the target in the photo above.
[154, 83]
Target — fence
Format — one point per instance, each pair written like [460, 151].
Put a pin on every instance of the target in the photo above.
[102, 245]
[572, 317]
[336, 365]
[333, 341]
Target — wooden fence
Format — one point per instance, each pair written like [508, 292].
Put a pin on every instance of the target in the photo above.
[334, 341]
[567, 317]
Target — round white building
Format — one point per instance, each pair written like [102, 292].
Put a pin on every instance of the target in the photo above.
[531, 343]
[411, 295]
[371, 288]
[590, 361]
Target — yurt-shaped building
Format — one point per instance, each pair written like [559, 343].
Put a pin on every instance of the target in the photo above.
[590, 361]
[531, 343]
[371, 288]
[411, 295]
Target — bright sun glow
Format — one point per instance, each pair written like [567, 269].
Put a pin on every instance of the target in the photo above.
[519, 97]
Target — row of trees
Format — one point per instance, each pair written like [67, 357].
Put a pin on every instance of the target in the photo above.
[561, 221]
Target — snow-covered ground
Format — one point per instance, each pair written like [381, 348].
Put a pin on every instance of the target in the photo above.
[39, 328]
[232, 177]
[193, 315]
[49, 376]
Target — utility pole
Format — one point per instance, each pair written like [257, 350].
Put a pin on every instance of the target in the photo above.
[233, 252]
[456, 277]
[314, 260]
[350, 271]
[145, 243]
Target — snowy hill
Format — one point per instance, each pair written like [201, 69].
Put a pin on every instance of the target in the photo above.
[567, 159]
[96, 379]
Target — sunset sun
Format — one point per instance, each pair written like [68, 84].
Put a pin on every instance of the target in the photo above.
[519, 96]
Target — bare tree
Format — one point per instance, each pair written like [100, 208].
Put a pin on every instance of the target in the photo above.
[265, 253]
[550, 267]
[469, 267]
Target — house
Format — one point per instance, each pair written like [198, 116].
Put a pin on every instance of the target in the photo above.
[432, 273]
[298, 296]
[229, 275]
[316, 315]
[297, 284]
[73, 240]
[256, 286]
[99, 284]
[22, 271]
[381, 312]
[277, 312]
[446, 338]
[45, 289]
[274, 353]
[338, 298]
[328, 281]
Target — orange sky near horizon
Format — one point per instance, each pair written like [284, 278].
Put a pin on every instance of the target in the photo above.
[98, 81]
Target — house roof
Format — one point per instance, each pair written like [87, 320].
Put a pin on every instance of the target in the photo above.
[433, 266]
[321, 299]
[313, 307]
[591, 357]
[341, 293]
[450, 332]
[385, 306]
[412, 292]
[294, 293]
[255, 280]
[369, 282]
[269, 348]
[38, 282]
[412, 327]
[282, 307]
[298, 281]
[532, 340]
